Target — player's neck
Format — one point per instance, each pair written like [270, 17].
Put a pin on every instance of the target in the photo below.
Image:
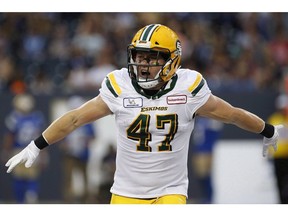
[151, 92]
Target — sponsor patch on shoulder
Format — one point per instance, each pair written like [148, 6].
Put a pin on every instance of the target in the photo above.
[132, 102]
[176, 99]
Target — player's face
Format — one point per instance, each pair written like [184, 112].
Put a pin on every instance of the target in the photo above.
[150, 64]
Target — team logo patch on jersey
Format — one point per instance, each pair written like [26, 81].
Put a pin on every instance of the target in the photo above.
[133, 102]
[176, 99]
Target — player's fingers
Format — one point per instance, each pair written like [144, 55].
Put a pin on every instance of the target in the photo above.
[10, 161]
[13, 162]
[279, 126]
[11, 166]
[10, 169]
[28, 163]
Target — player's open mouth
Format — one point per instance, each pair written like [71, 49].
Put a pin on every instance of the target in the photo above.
[145, 74]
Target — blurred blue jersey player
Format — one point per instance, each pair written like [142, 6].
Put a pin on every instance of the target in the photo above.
[76, 149]
[205, 136]
[23, 124]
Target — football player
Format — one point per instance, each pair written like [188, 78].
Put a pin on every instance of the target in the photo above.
[155, 103]
[23, 124]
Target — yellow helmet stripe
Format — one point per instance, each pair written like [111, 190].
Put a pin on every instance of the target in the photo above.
[112, 85]
[148, 31]
[199, 82]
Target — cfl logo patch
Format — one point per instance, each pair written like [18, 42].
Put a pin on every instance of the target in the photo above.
[131, 102]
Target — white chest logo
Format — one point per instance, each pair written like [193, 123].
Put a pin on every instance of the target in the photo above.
[176, 99]
[132, 102]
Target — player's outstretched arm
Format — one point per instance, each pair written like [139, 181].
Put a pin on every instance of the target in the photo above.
[90, 111]
[221, 110]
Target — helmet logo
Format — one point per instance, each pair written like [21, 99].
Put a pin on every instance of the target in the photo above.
[179, 47]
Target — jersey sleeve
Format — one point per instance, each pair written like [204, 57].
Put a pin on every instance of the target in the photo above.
[199, 92]
[110, 91]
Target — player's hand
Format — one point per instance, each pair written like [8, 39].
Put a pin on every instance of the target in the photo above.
[28, 155]
[267, 142]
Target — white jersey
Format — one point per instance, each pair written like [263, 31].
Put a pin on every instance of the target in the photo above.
[153, 132]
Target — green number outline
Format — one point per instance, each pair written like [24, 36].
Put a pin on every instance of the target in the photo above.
[139, 131]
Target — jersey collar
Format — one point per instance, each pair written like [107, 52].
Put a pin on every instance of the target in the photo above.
[168, 87]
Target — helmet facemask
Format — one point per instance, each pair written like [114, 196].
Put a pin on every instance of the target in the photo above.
[140, 68]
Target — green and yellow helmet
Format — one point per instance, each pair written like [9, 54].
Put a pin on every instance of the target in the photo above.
[155, 38]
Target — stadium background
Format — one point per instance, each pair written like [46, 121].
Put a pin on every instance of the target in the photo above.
[243, 57]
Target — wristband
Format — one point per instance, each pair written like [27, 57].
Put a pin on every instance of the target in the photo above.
[40, 142]
[268, 130]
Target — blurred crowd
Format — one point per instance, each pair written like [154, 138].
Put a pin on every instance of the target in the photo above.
[46, 53]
